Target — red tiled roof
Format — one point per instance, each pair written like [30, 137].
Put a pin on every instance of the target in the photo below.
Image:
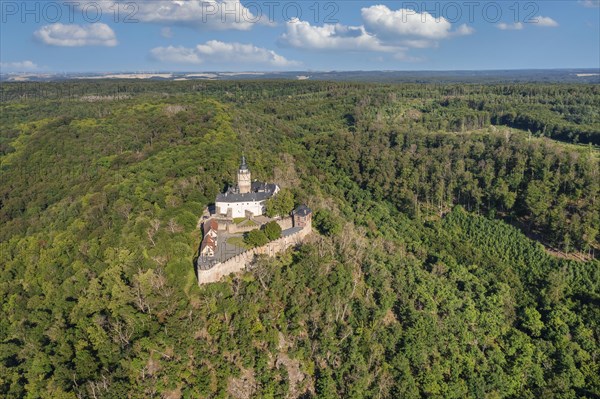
[210, 242]
[209, 225]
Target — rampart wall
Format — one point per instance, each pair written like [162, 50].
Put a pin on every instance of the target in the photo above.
[240, 262]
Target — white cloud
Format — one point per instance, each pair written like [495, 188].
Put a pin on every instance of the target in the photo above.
[505, 26]
[215, 51]
[544, 21]
[590, 3]
[390, 24]
[199, 14]
[302, 34]
[18, 66]
[96, 34]
[463, 30]
[384, 30]
[177, 55]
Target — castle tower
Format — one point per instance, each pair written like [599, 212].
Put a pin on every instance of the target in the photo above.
[243, 177]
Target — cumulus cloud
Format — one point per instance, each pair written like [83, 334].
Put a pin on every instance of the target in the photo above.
[505, 26]
[386, 23]
[215, 51]
[384, 30]
[302, 34]
[97, 34]
[177, 55]
[537, 21]
[544, 21]
[590, 3]
[198, 14]
[463, 30]
[18, 66]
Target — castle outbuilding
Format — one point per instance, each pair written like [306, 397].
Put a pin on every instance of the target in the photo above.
[302, 216]
[247, 198]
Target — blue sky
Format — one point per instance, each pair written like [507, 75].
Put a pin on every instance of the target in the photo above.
[229, 35]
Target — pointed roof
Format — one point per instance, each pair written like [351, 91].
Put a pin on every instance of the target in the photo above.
[210, 224]
[243, 165]
[208, 242]
[302, 210]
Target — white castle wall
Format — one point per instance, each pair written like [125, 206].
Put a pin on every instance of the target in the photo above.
[240, 262]
[238, 209]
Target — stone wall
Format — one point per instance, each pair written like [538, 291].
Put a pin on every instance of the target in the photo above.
[286, 222]
[233, 228]
[223, 223]
[240, 262]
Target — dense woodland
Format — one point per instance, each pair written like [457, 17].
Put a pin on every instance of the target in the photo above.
[426, 275]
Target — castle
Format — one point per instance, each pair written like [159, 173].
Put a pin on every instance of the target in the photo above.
[247, 198]
[219, 253]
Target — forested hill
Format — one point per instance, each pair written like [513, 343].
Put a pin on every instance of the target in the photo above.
[420, 281]
[565, 112]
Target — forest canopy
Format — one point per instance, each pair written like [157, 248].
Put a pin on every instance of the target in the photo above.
[454, 253]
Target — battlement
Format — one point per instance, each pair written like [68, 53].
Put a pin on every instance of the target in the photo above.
[239, 263]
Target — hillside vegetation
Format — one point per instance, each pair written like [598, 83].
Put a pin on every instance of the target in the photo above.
[420, 281]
